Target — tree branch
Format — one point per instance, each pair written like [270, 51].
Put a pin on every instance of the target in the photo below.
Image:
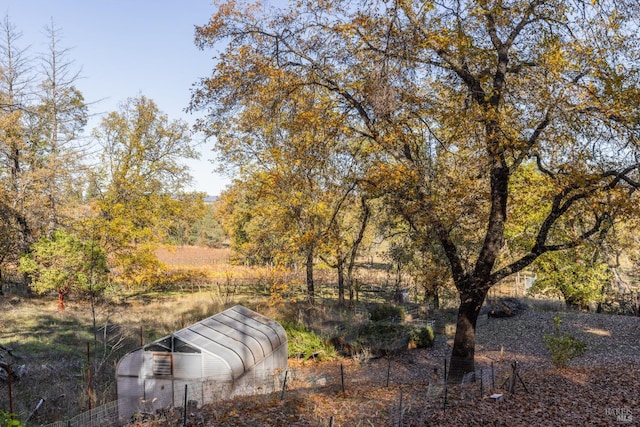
[540, 249]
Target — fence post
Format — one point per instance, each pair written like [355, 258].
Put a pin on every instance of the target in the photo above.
[388, 370]
[342, 376]
[400, 410]
[184, 417]
[493, 377]
[445, 370]
[89, 374]
[10, 391]
[446, 386]
[284, 384]
[512, 381]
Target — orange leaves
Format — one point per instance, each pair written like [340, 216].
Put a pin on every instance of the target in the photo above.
[394, 177]
[223, 22]
[442, 111]
[554, 55]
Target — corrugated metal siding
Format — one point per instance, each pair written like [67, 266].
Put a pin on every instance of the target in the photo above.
[187, 365]
[239, 348]
[226, 327]
[238, 335]
[233, 359]
[214, 367]
[158, 392]
[270, 333]
[130, 364]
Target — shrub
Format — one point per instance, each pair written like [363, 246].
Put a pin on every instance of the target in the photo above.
[303, 342]
[579, 283]
[422, 336]
[387, 312]
[6, 420]
[373, 331]
[563, 348]
[65, 263]
[381, 337]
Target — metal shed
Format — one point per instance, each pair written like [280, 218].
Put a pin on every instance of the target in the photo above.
[235, 352]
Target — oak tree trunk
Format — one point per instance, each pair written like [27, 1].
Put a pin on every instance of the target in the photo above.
[464, 344]
[61, 300]
[340, 280]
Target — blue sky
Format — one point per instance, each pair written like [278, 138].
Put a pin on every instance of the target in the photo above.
[127, 48]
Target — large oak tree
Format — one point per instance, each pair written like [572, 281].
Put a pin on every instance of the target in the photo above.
[452, 100]
[296, 198]
[139, 187]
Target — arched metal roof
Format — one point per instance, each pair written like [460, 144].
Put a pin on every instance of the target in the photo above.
[241, 337]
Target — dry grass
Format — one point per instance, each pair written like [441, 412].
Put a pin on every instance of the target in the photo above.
[193, 256]
[52, 345]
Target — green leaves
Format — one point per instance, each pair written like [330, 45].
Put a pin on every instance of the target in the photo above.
[143, 151]
[563, 348]
[303, 342]
[579, 280]
[63, 263]
[480, 124]
[9, 420]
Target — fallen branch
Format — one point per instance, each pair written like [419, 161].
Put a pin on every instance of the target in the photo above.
[42, 400]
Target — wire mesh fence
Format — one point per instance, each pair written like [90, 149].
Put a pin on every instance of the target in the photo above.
[412, 393]
[102, 416]
[443, 394]
[413, 387]
[169, 395]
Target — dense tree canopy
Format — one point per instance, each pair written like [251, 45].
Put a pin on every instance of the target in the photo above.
[139, 189]
[128, 192]
[294, 157]
[449, 101]
[42, 114]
